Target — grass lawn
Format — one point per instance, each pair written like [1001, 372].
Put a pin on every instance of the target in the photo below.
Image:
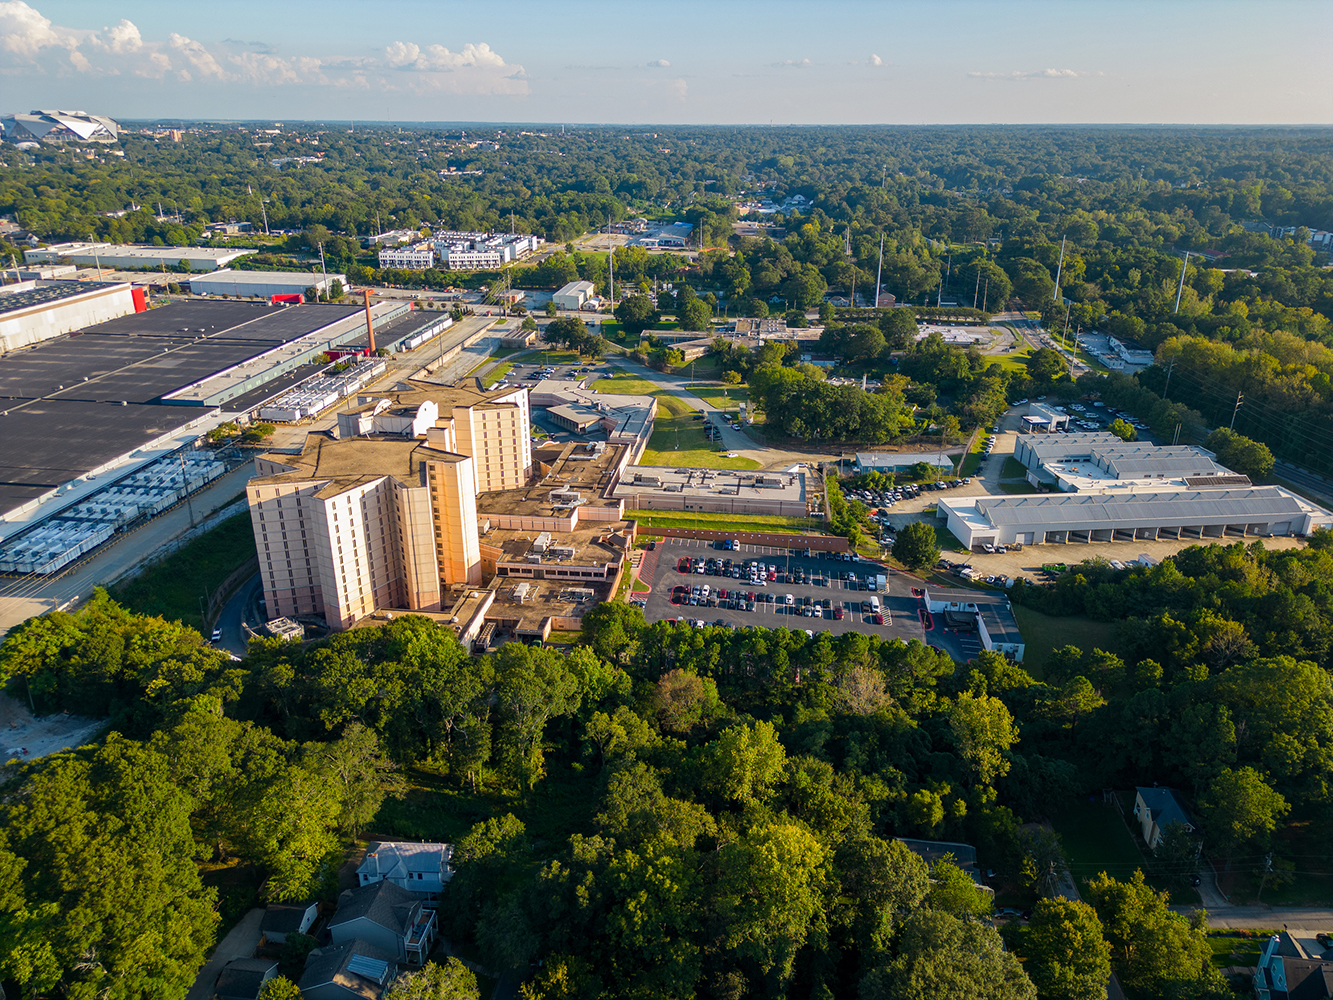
[947, 540]
[1096, 840]
[623, 382]
[1013, 469]
[1017, 488]
[497, 373]
[1044, 633]
[172, 588]
[724, 522]
[1234, 947]
[564, 637]
[1011, 361]
[724, 397]
[678, 440]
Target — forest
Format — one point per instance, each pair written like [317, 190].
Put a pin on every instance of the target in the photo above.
[666, 811]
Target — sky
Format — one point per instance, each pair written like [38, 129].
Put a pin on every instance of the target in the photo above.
[676, 62]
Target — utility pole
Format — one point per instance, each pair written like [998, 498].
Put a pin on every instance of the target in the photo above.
[879, 270]
[1181, 289]
[985, 296]
[264, 211]
[1240, 398]
[323, 271]
[1059, 269]
[1169, 369]
[1268, 870]
[976, 291]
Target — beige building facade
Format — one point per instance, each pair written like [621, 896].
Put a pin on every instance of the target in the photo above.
[381, 518]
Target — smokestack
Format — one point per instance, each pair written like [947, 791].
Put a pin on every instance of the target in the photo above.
[370, 325]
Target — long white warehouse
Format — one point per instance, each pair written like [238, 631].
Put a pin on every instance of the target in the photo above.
[128, 257]
[263, 283]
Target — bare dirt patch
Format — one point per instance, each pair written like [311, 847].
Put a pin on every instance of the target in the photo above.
[22, 731]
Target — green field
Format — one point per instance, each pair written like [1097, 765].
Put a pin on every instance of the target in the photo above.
[723, 522]
[497, 373]
[1017, 488]
[626, 384]
[678, 439]
[724, 397]
[1011, 361]
[1043, 633]
[1096, 840]
[172, 588]
[1013, 469]
[1242, 948]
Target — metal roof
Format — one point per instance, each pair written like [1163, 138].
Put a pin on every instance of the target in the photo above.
[1253, 505]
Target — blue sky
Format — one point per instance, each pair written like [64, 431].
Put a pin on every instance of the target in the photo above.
[684, 61]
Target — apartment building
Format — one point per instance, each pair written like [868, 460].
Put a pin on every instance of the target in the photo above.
[377, 517]
[414, 258]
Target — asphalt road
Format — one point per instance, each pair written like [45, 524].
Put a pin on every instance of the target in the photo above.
[238, 609]
[898, 602]
[22, 598]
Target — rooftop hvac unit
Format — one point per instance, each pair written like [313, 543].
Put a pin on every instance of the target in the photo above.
[561, 551]
[521, 592]
[542, 542]
[534, 557]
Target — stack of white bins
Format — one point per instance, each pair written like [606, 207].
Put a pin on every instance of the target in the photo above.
[77, 530]
[315, 395]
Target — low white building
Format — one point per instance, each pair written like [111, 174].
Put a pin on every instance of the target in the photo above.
[574, 295]
[411, 258]
[265, 283]
[895, 462]
[130, 257]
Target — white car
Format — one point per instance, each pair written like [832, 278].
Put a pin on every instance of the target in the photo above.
[789, 600]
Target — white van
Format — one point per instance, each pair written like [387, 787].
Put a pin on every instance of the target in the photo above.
[873, 602]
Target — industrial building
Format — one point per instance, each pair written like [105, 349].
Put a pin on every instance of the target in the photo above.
[627, 420]
[58, 127]
[989, 615]
[574, 295]
[266, 283]
[35, 310]
[130, 257]
[417, 257]
[1107, 490]
[78, 410]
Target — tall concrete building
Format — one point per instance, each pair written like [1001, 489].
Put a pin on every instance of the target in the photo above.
[378, 517]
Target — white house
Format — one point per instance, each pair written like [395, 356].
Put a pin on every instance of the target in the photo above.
[421, 869]
[388, 917]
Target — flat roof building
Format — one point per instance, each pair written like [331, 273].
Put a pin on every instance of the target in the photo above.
[715, 490]
[381, 519]
[129, 257]
[893, 462]
[266, 283]
[574, 295]
[36, 310]
[417, 257]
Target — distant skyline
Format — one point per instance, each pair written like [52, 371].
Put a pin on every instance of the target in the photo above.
[684, 62]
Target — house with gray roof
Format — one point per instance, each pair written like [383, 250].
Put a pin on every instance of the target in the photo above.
[1156, 809]
[347, 970]
[243, 978]
[282, 919]
[388, 917]
[421, 869]
[1295, 965]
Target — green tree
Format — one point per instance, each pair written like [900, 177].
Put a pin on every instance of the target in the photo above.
[637, 313]
[952, 890]
[96, 853]
[550, 307]
[694, 315]
[1124, 430]
[1239, 808]
[280, 988]
[1045, 365]
[1157, 953]
[983, 730]
[362, 774]
[899, 328]
[917, 546]
[1239, 453]
[566, 331]
[1064, 951]
[744, 762]
[447, 980]
[941, 957]
[1044, 864]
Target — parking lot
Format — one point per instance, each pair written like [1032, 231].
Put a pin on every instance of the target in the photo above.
[825, 575]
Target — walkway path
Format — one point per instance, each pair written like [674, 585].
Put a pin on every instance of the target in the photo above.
[240, 942]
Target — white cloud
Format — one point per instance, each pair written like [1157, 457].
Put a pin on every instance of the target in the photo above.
[197, 56]
[659, 64]
[124, 37]
[680, 88]
[875, 60]
[25, 32]
[158, 66]
[793, 62]
[477, 69]
[1041, 74]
